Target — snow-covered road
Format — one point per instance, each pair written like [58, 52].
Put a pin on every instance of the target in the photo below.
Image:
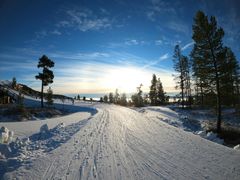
[120, 143]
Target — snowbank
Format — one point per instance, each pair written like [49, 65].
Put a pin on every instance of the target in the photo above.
[6, 136]
[237, 147]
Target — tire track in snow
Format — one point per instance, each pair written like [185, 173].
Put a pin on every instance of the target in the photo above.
[120, 143]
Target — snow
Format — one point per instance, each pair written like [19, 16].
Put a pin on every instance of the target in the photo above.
[5, 135]
[180, 120]
[120, 143]
[101, 141]
[237, 147]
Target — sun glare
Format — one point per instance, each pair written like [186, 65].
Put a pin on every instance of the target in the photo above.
[126, 79]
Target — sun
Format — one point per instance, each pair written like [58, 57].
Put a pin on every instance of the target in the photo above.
[126, 79]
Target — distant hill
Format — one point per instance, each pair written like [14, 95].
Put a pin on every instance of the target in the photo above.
[5, 84]
[31, 92]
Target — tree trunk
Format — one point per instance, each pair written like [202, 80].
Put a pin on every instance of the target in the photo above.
[42, 95]
[219, 111]
[182, 94]
[219, 108]
[201, 89]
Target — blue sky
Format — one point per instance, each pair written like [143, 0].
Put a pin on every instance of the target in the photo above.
[101, 45]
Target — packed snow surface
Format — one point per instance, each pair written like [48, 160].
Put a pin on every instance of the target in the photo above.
[119, 143]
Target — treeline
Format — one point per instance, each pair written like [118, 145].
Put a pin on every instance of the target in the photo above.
[155, 97]
[210, 76]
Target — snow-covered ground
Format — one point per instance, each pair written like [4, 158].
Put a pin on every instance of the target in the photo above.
[102, 141]
[120, 143]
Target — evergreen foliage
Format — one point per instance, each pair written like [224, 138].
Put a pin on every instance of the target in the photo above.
[156, 94]
[182, 78]
[49, 97]
[137, 98]
[215, 69]
[14, 82]
[123, 99]
[46, 76]
[111, 98]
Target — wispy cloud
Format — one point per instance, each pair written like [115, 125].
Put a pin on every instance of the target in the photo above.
[134, 42]
[41, 34]
[155, 62]
[74, 74]
[177, 25]
[164, 40]
[165, 56]
[56, 32]
[158, 42]
[188, 45]
[159, 7]
[85, 20]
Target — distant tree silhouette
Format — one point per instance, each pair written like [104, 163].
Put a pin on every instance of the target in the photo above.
[153, 91]
[116, 97]
[46, 76]
[105, 98]
[49, 96]
[137, 98]
[111, 98]
[14, 82]
[161, 97]
[181, 66]
[78, 97]
[101, 99]
[84, 98]
[123, 99]
[156, 94]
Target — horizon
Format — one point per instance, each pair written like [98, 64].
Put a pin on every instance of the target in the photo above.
[102, 46]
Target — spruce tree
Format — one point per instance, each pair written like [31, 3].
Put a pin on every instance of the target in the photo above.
[153, 91]
[14, 82]
[49, 96]
[207, 54]
[111, 98]
[161, 98]
[105, 98]
[137, 98]
[123, 99]
[229, 78]
[182, 78]
[116, 97]
[46, 76]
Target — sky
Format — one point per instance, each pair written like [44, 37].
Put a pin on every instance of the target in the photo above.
[101, 45]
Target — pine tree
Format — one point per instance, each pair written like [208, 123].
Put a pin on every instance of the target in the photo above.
[47, 75]
[123, 99]
[181, 66]
[116, 97]
[111, 98]
[105, 98]
[153, 91]
[207, 54]
[161, 98]
[14, 82]
[137, 98]
[229, 78]
[156, 94]
[49, 96]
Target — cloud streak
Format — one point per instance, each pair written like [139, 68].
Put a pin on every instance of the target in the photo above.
[188, 45]
[84, 19]
[75, 74]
